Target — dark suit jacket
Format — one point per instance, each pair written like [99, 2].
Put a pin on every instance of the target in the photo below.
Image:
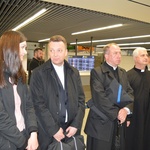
[45, 94]
[34, 63]
[8, 128]
[101, 77]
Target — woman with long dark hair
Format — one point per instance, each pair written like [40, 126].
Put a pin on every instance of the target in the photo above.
[18, 126]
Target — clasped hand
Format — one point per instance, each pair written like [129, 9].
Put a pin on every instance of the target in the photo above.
[71, 131]
[122, 115]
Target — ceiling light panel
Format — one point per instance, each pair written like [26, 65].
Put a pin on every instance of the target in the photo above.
[97, 29]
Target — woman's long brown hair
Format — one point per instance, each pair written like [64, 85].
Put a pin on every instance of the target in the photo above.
[9, 57]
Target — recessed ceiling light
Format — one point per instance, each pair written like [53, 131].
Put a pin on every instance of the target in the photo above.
[43, 40]
[97, 29]
[125, 44]
[128, 47]
[30, 19]
[114, 39]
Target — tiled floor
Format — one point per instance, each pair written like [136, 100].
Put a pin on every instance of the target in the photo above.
[83, 125]
[87, 97]
[87, 92]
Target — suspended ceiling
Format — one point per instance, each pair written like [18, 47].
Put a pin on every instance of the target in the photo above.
[63, 20]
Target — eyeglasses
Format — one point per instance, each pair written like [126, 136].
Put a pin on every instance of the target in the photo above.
[56, 51]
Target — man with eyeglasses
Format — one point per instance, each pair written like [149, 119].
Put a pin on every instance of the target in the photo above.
[58, 95]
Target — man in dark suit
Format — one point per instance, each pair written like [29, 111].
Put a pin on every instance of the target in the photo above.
[36, 61]
[58, 95]
[101, 132]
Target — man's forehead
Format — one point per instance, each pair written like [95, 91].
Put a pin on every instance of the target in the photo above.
[143, 52]
[114, 49]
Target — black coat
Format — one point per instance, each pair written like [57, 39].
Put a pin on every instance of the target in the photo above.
[45, 94]
[34, 63]
[8, 128]
[101, 77]
[138, 132]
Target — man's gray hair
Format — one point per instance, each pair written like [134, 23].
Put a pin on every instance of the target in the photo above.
[136, 51]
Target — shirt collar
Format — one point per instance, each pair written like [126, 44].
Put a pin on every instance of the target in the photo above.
[58, 67]
[114, 68]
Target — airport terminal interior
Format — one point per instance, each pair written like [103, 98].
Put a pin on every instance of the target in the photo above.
[130, 21]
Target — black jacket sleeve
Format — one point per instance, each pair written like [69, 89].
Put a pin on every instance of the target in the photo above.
[8, 128]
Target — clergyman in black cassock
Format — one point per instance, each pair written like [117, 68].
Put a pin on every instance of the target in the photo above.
[138, 132]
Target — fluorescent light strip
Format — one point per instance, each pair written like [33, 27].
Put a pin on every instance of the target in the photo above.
[124, 44]
[128, 47]
[83, 42]
[97, 29]
[140, 43]
[114, 39]
[44, 40]
[30, 19]
[105, 40]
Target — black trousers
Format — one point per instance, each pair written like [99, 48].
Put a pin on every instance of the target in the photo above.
[96, 144]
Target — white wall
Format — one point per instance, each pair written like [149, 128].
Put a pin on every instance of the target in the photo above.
[127, 62]
[30, 48]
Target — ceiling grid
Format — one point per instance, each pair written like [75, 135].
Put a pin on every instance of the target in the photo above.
[62, 19]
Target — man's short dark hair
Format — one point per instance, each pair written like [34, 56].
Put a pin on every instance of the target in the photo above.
[58, 38]
[38, 48]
